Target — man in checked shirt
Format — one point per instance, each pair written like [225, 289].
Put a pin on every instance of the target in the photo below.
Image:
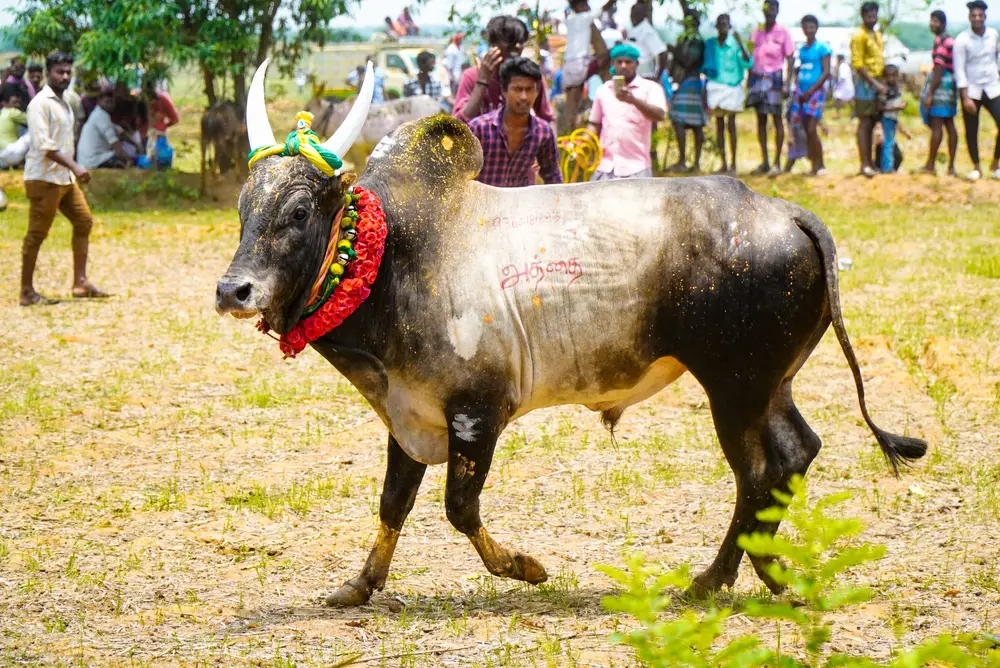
[514, 139]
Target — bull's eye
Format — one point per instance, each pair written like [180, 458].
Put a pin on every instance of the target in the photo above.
[300, 214]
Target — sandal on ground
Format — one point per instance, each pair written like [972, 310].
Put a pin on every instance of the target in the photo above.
[37, 300]
[996, 173]
[868, 172]
[975, 175]
[92, 292]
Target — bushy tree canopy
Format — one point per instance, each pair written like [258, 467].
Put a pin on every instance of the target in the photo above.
[224, 38]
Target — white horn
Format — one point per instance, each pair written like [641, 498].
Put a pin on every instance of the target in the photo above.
[258, 127]
[342, 140]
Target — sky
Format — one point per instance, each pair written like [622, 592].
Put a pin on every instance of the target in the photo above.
[435, 12]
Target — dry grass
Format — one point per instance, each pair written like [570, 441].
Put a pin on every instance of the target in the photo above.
[172, 492]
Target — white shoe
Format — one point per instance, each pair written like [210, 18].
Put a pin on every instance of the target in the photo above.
[975, 175]
[996, 174]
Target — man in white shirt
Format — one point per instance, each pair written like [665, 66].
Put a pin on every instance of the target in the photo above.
[583, 37]
[100, 143]
[652, 49]
[978, 82]
[50, 182]
[455, 59]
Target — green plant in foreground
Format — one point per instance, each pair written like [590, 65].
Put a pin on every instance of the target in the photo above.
[816, 560]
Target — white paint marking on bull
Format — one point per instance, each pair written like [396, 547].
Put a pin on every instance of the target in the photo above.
[464, 334]
[463, 426]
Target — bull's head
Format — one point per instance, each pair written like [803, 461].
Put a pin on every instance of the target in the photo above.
[286, 209]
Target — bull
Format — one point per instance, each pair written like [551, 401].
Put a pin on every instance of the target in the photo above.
[492, 303]
[222, 130]
[382, 120]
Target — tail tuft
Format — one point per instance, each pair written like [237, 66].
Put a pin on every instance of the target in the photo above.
[900, 450]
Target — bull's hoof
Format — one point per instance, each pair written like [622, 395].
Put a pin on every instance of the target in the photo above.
[351, 594]
[762, 565]
[518, 566]
[531, 570]
[708, 583]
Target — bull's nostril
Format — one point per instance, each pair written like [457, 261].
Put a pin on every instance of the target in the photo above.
[243, 293]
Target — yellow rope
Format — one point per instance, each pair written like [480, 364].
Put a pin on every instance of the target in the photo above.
[581, 154]
[301, 141]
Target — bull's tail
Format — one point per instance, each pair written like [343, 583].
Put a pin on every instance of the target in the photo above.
[897, 449]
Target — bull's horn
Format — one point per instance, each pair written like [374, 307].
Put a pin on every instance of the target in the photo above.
[258, 127]
[342, 140]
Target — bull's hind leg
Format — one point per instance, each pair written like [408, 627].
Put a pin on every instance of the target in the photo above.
[765, 450]
[472, 438]
[402, 480]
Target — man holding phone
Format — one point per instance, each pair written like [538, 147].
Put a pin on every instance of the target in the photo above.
[480, 91]
[623, 115]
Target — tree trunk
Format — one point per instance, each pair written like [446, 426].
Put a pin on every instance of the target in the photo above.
[209, 85]
[239, 82]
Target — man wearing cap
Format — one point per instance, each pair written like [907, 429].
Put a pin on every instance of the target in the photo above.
[978, 82]
[623, 117]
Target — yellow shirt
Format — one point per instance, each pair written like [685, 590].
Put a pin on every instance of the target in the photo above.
[867, 48]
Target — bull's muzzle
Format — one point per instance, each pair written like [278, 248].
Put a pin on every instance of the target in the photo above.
[235, 295]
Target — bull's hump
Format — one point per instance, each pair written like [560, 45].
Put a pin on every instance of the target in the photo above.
[438, 152]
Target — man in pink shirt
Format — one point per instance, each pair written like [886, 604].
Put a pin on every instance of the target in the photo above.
[479, 90]
[772, 53]
[623, 117]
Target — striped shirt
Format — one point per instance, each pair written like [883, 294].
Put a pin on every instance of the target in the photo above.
[504, 169]
[944, 47]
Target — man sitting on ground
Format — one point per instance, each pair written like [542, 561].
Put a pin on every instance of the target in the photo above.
[514, 139]
[162, 115]
[16, 78]
[623, 116]
[14, 142]
[100, 142]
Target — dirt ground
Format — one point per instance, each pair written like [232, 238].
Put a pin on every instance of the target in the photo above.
[172, 492]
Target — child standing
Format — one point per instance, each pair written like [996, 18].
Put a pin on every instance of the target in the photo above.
[890, 104]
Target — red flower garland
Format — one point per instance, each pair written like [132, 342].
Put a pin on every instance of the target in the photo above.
[355, 286]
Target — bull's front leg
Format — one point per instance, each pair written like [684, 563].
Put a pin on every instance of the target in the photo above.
[472, 438]
[402, 480]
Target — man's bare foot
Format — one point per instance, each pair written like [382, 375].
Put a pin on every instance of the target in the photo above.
[952, 172]
[761, 170]
[928, 170]
[678, 168]
[722, 171]
[32, 298]
[87, 290]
